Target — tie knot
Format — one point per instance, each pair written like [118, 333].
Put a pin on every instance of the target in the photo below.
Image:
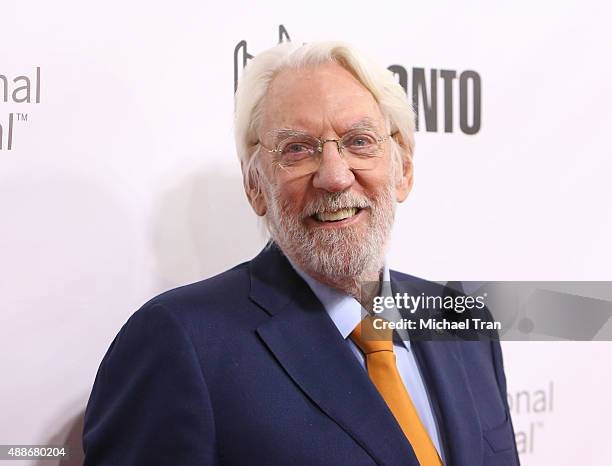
[370, 339]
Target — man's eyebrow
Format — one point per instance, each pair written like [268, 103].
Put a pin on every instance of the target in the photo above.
[364, 123]
[282, 133]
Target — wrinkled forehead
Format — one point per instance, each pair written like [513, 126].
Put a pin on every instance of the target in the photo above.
[319, 100]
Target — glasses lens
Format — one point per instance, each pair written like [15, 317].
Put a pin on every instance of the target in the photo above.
[362, 148]
[297, 152]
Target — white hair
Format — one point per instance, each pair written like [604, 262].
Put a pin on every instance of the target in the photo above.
[258, 74]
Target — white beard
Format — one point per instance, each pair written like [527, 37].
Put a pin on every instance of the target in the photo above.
[337, 254]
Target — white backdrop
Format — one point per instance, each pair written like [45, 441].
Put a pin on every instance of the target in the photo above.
[122, 181]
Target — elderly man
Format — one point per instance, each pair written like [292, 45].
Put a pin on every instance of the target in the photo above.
[268, 363]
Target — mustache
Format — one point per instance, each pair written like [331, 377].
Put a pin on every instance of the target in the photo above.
[335, 201]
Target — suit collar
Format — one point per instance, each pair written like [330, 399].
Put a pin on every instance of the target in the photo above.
[273, 281]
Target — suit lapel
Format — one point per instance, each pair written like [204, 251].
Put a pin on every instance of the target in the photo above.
[306, 343]
[442, 367]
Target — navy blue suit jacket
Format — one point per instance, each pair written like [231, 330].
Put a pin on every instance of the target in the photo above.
[247, 368]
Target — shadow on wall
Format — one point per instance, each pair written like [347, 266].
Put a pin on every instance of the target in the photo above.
[61, 228]
[69, 436]
[202, 227]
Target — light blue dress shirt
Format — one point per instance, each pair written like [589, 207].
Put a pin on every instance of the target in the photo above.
[345, 312]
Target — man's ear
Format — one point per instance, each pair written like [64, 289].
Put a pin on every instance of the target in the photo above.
[258, 202]
[253, 191]
[404, 180]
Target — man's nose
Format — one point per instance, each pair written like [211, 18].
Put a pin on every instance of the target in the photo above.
[333, 174]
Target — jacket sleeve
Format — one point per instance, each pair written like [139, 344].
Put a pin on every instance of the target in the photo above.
[149, 404]
[500, 375]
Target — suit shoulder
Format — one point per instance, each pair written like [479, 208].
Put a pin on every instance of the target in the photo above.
[216, 298]
[406, 280]
[207, 311]
[231, 284]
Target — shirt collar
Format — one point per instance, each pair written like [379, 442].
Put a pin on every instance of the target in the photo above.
[342, 308]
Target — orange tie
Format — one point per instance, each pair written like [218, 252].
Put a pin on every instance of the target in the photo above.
[377, 345]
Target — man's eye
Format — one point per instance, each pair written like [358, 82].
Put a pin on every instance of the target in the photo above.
[297, 148]
[360, 141]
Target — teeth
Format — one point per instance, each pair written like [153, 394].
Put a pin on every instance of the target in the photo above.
[336, 215]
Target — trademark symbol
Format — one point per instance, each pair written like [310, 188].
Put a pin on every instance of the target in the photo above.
[22, 116]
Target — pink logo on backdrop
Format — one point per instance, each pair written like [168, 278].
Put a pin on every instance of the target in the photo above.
[20, 90]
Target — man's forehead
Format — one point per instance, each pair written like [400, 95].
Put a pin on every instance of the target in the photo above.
[307, 98]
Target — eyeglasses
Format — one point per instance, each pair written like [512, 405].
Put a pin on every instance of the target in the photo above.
[300, 153]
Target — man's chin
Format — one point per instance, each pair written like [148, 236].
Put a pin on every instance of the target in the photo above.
[339, 238]
[335, 253]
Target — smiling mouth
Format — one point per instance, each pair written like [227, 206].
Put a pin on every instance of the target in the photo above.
[336, 215]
